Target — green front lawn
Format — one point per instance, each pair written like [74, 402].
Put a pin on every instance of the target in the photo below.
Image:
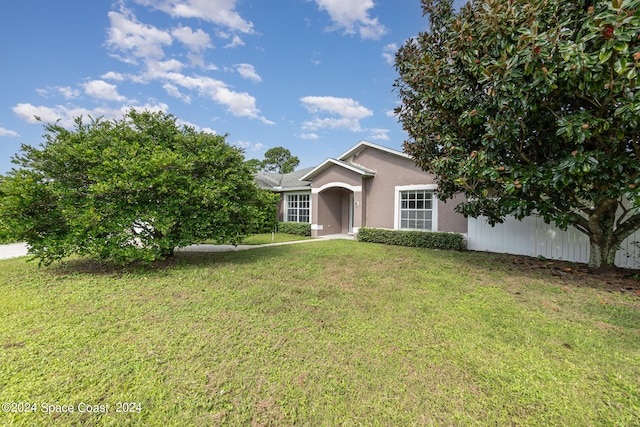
[326, 333]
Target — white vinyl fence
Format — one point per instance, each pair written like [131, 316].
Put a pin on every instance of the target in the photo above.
[533, 237]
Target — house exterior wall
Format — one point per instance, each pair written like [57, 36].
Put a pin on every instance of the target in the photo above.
[336, 174]
[281, 209]
[330, 208]
[393, 171]
[449, 219]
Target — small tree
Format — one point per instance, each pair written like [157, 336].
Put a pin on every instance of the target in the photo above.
[128, 190]
[279, 160]
[530, 107]
[254, 164]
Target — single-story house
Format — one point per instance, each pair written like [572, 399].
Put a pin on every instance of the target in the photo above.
[367, 186]
[375, 186]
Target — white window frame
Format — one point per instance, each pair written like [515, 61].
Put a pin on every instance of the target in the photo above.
[398, 201]
[286, 206]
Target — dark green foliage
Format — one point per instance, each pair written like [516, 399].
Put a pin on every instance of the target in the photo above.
[530, 107]
[416, 239]
[130, 190]
[296, 228]
[266, 219]
[254, 164]
[5, 236]
[5, 231]
[279, 160]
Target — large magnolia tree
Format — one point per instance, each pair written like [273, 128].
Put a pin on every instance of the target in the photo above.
[129, 190]
[530, 106]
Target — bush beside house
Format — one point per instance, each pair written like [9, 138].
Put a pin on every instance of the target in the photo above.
[296, 228]
[416, 239]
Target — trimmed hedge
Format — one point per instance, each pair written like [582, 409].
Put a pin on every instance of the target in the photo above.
[416, 239]
[296, 228]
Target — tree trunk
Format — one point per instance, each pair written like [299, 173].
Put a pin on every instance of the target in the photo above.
[603, 239]
[602, 257]
[167, 252]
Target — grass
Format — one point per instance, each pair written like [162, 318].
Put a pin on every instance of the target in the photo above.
[326, 333]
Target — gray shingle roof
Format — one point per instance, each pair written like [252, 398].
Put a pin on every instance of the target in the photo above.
[283, 182]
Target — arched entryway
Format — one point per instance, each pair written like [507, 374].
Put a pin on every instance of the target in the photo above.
[335, 210]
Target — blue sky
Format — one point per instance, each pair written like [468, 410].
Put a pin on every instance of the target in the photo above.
[314, 76]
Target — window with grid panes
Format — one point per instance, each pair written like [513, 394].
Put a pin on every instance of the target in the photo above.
[298, 207]
[416, 210]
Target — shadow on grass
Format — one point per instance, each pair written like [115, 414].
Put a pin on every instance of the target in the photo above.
[180, 260]
[515, 266]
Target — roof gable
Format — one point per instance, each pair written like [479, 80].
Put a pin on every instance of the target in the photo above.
[335, 162]
[345, 160]
[366, 144]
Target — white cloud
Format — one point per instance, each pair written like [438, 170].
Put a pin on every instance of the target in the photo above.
[379, 134]
[389, 53]
[352, 16]
[7, 132]
[29, 112]
[159, 69]
[43, 92]
[112, 75]
[390, 113]
[349, 113]
[197, 128]
[248, 71]
[249, 146]
[66, 91]
[219, 12]
[103, 90]
[235, 42]
[196, 59]
[65, 115]
[146, 47]
[309, 136]
[196, 41]
[131, 37]
[173, 91]
[239, 104]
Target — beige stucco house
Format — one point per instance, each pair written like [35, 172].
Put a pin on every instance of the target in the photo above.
[368, 186]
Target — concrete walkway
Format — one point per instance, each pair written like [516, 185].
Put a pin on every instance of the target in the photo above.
[13, 250]
[16, 250]
[228, 248]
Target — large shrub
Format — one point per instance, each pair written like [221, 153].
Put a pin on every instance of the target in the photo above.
[129, 190]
